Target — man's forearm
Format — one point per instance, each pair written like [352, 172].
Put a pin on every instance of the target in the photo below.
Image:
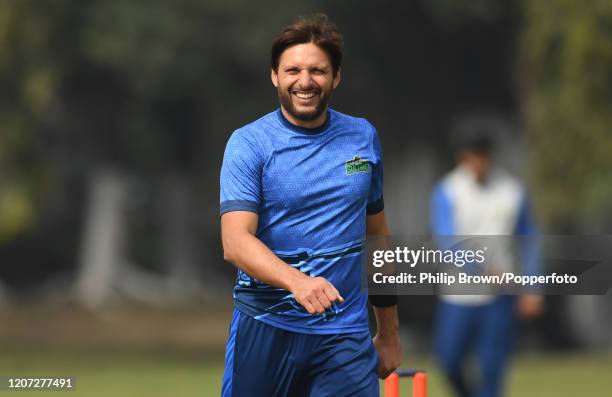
[248, 253]
[252, 256]
[386, 315]
[387, 321]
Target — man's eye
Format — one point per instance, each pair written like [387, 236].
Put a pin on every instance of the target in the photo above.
[318, 71]
[292, 71]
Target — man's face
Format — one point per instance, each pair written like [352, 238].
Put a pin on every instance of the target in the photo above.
[305, 82]
[478, 162]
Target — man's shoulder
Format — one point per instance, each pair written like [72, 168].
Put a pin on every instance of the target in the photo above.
[507, 180]
[352, 121]
[454, 176]
[255, 132]
[499, 179]
[259, 125]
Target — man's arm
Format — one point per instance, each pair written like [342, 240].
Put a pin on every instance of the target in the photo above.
[529, 306]
[386, 341]
[247, 252]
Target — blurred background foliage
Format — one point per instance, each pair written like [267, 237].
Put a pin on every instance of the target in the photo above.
[566, 50]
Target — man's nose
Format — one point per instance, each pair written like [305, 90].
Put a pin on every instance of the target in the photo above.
[305, 79]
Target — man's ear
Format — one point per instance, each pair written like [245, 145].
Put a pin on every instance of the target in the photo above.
[337, 78]
[274, 77]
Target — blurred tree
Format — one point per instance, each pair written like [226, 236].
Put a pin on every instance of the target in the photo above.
[566, 81]
[28, 71]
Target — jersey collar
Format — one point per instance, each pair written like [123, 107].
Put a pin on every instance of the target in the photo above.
[304, 130]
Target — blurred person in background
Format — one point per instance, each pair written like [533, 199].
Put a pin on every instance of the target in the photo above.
[299, 188]
[479, 198]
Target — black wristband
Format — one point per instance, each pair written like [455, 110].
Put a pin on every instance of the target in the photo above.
[383, 300]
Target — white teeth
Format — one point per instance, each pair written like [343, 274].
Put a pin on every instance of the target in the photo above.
[304, 95]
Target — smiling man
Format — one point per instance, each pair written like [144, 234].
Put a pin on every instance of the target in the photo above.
[299, 189]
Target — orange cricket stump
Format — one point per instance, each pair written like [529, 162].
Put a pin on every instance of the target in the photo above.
[419, 383]
[392, 385]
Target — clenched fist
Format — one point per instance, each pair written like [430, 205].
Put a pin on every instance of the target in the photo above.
[390, 353]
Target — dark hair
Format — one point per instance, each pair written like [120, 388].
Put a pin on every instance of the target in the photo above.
[478, 141]
[317, 29]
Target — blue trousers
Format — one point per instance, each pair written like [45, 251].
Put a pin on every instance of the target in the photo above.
[485, 332]
[266, 361]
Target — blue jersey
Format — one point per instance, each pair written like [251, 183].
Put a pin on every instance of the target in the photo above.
[311, 189]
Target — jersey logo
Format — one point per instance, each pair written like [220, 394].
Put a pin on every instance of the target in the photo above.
[356, 164]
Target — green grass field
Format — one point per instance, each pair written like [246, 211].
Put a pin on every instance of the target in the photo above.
[173, 374]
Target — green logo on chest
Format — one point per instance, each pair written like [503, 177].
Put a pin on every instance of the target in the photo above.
[357, 164]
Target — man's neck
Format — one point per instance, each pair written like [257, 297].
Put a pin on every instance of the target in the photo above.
[480, 179]
[319, 121]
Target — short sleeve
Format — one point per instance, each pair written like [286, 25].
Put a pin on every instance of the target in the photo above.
[525, 224]
[241, 174]
[441, 215]
[375, 196]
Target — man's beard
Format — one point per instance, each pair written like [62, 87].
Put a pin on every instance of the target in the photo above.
[284, 97]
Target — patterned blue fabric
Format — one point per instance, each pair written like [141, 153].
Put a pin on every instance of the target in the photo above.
[311, 189]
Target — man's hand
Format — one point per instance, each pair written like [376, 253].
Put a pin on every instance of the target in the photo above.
[390, 352]
[530, 306]
[316, 294]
